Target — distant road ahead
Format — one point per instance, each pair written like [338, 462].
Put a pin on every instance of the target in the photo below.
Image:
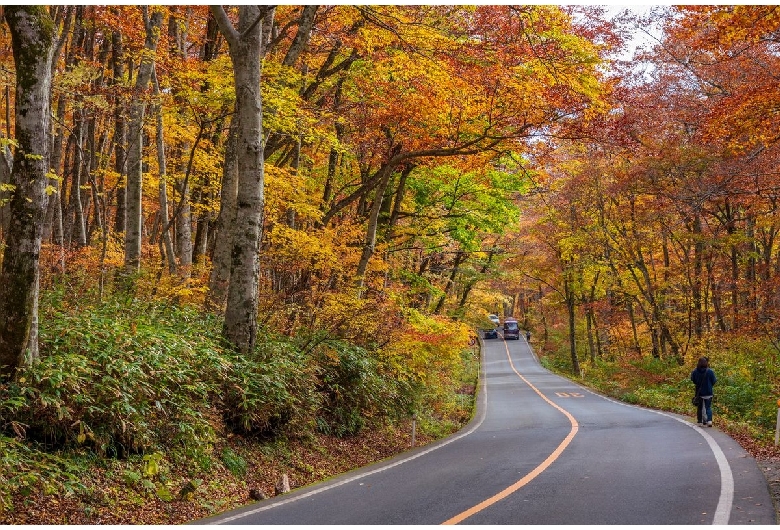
[541, 450]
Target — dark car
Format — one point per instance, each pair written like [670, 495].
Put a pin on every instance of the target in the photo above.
[511, 329]
[490, 333]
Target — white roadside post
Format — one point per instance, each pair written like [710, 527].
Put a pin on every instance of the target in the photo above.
[414, 428]
[777, 424]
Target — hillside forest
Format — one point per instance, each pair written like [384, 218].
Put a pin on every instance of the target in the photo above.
[243, 241]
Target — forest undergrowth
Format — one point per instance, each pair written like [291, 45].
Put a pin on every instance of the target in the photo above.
[745, 397]
[138, 413]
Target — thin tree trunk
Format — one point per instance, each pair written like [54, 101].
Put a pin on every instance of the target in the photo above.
[120, 133]
[373, 221]
[184, 224]
[52, 230]
[634, 331]
[163, 187]
[569, 292]
[134, 192]
[76, 206]
[698, 251]
[459, 258]
[177, 38]
[5, 178]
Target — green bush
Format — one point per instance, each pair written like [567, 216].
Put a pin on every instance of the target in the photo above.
[26, 470]
[355, 387]
[270, 391]
[118, 379]
[234, 462]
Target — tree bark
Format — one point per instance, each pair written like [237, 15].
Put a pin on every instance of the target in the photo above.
[53, 225]
[246, 45]
[5, 179]
[220, 263]
[33, 36]
[460, 257]
[373, 221]
[570, 306]
[177, 38]
[120, 132]
[76, 206]
[134, 223]
[163, 186]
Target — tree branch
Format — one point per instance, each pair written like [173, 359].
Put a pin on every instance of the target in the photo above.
[225, 26]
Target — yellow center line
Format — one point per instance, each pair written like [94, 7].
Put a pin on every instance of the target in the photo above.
[537, 470]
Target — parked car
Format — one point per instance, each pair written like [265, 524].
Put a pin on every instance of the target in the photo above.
[491, 333]
[511, 329]
[494, 319]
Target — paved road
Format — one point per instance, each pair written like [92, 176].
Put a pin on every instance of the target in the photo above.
[541, 450]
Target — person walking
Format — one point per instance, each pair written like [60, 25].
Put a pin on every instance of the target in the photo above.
[704, 379]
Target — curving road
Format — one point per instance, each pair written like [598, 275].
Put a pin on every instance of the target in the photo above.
[541, 450]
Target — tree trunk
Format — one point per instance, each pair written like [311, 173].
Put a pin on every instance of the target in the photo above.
[75, 205]
[184, 223]
[246, 51]
[163, 187]
[569, 293]
[460, 257]
[33, 41]
[591, 340]
[5, 178]
[220, 262]
[177, 39]
[134, 223]
[373, 221]
[698, 260]
[634, 331]
[120, 133]
[53, 225]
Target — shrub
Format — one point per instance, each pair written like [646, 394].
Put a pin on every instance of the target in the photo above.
[25, 469]
[355, 386]
[234, 462]
[270, 391]
[118, 379]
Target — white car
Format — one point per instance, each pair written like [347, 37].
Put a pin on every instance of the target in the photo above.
[494, 319]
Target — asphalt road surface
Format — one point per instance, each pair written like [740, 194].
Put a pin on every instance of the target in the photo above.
[541, 450]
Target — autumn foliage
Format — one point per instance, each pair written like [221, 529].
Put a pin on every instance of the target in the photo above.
[423, 166]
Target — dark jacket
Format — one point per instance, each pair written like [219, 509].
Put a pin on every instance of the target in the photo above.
[704, 379]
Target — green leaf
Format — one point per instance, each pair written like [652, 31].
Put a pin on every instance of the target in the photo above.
[164, 493]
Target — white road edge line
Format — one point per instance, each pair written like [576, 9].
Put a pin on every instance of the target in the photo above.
[481, 413]
[723, 511]
[726, 500]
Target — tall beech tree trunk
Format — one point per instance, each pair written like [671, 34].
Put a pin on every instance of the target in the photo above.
[134, 192]
[76, 205]
[33, 35]
[177, 40]
[53, 225]
[163, 186]
[246, 45]
[220, 263]
[120, 132]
